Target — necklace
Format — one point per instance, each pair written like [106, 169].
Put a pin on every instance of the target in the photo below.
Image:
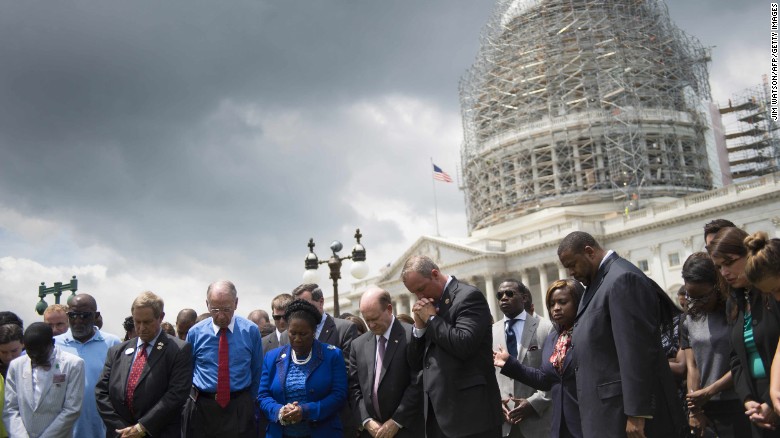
[300, 362]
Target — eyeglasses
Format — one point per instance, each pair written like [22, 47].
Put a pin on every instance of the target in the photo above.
[215, 311]
[508, 293]
[81, 315]
[278, 317]
[693, 301]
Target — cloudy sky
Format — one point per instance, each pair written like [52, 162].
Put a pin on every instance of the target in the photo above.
[164, 145]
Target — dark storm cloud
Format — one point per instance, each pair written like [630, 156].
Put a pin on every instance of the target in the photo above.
[107, 112]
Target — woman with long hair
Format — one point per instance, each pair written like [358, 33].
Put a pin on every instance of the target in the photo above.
[557, 374]
[762, 269]
[712, 402]
[755, 328]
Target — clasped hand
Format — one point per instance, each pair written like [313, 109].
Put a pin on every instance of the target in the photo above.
[515, 415]
[291, 413]
[423, 309]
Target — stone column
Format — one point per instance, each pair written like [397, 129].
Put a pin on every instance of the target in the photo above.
[490, 295]
[562, 273]
[402, 304]
[539, 305]
[524, 277]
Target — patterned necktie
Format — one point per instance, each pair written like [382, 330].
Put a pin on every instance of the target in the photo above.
[135, 374]
[223, 370]
[511, 339]
[380, 357]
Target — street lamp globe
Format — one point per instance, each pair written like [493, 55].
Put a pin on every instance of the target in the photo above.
[359, 270]
[311, 276]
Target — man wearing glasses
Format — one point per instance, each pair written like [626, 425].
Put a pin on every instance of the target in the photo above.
[227, 358]
[91, 344]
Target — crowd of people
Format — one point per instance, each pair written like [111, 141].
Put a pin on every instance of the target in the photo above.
[619, 357]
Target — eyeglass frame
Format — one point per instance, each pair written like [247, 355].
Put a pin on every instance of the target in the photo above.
[217, 311]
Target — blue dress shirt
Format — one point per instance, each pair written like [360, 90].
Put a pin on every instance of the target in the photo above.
[94, 353]
[246, 354]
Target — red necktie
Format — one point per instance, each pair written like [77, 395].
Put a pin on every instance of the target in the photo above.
[135, 374]
[380, 358]
[223, 370]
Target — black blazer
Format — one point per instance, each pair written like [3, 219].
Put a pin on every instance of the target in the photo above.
[622, 369]
[456, 359]
[400, 390]
[563, 387]
[766, 331]
[161, 392]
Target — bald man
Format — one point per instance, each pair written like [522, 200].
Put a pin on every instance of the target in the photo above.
[259, 317]
[227, 358]
[184, 321]
[378, 360]
[91, 344]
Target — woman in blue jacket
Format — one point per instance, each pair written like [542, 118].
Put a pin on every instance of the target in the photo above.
[558, 360]
[304, 384]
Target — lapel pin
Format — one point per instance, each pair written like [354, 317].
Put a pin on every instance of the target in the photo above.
[129, 351]
[447, 301]
[396, 341]
[159, 346]
[284, 355]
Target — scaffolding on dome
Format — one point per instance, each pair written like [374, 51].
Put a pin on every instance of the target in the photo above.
[573, 101]
[752, 137]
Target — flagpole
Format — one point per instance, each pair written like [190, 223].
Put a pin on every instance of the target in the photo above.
[435, 202]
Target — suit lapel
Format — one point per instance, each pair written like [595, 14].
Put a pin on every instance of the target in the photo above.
[529, 329]
[328, 331]
[591, 290]
[396, 333]
[45, 384]
[370, 358]
[157, 352]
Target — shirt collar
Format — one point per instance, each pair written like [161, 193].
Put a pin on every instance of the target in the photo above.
[97, 336]
[322, 321]
[216, 327]
[139, 343]
[609, 253]
[520, 317]
[389, 329]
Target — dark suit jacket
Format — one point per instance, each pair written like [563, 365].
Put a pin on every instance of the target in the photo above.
[326, 390]
[456, 359]
[161, 392]
[563, 387]
[400, 391]
[340, 333]
[766, 330]
[623, 370]
[270, 342]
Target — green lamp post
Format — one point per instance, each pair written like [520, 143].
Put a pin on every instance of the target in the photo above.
[55, 290]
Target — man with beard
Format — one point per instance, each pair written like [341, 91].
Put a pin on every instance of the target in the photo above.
[91, 344]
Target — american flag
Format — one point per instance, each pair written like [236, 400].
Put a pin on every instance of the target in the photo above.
[440, 175]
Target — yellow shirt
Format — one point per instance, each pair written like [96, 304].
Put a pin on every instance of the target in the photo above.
[3, 433]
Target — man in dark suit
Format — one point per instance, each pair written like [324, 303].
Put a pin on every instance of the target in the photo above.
[337, 332]
[278, 306]
[452, 345]
[145, 380]
[378, 361]
[624, 383]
